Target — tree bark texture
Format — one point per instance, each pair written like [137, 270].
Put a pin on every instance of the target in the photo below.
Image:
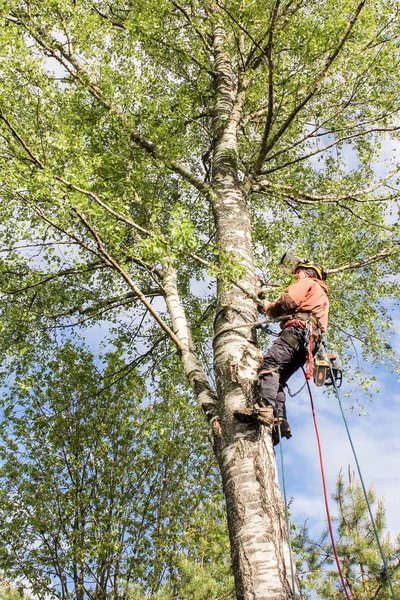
[192, 366]
[255, 510]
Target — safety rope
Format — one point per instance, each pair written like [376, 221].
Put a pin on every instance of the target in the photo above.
[328, 515]
[294, 394]
[361, 477]
[286, 506]
[258, 324]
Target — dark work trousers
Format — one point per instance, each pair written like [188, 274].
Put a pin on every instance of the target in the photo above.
[282, 360]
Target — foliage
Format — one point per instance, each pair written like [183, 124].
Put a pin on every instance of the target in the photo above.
[112, 163]
[101, 485]
[93, 131]
[357, 548]
[10, 592]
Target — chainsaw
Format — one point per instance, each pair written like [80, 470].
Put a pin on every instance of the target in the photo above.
[325, 364]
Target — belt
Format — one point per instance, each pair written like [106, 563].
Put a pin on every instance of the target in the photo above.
[302, 316]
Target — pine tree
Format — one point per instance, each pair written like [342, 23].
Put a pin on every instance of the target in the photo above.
[360, 558]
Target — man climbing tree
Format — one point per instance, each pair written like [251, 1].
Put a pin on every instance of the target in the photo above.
[158, 157]
[303, 313]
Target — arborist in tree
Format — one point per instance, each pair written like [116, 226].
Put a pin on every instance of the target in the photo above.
[303, 314]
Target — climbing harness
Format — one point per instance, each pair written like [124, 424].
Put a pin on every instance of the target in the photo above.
[360, 476]
[286, 506]
[303, 316]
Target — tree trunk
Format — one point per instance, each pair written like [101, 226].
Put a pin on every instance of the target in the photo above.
[246, 457]
[255, 510]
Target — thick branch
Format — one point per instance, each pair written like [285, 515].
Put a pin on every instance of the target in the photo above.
[367, 261]
[191, 364]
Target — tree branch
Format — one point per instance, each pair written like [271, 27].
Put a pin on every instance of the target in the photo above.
[65, 272]
[246, 32]
[107, 18]
[268, 53]
[327, 132]
[191, 364]
[331, 58]
[108, 304]
[105, 206]
[78, 73]
[110, 260]
[310, 198]
[367, 261]
[189, 20]
[25, 146]
[39, 164]
[327, 147]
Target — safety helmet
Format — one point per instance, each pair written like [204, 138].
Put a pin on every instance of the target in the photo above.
[310, 265]
[290, 262]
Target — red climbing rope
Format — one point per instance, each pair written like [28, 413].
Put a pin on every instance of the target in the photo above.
[328, 515]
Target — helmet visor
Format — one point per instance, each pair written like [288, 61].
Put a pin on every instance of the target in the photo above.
[289, 261]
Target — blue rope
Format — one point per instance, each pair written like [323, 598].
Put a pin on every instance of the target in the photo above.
[286, 508]
[360, 474]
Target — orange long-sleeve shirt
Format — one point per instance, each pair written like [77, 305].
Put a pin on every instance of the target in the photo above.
[305, 295]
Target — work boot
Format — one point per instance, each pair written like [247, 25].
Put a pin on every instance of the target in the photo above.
[264, 415]
[286, 432]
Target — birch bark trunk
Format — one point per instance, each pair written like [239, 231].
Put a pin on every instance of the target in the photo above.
[255, 510]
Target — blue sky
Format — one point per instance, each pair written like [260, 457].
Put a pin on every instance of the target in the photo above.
[375, 437]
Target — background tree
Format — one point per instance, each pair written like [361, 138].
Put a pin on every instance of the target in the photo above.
[357, 549]
[9, 592]
[150, 147]
[103, 488]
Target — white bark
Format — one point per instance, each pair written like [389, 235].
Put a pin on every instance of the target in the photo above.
[192, 366]
[246, 457]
